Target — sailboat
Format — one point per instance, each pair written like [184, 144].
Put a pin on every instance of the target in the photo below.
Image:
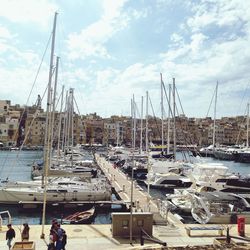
[53, 191]
[209, 151]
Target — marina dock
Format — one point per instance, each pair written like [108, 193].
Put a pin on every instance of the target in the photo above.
[81, 237]
[142, 201]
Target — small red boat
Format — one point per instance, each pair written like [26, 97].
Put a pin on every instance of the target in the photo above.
[84, 217]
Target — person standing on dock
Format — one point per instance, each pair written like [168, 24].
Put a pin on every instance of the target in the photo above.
[10, 235]
[25, 232]
[60, 244]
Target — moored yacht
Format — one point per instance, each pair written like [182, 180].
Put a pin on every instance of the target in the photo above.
[60, 190]
[216, 176]
[169, 180]
[219, 208]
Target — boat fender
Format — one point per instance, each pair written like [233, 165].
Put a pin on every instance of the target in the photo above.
[179, 217]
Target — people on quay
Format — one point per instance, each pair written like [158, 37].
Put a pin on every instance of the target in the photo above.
[25, 232]
[10, 235]
[60, 243]
[57, 238]
[52, 240]
[53, 235]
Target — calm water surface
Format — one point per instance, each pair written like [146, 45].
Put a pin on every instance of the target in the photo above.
[17, 166]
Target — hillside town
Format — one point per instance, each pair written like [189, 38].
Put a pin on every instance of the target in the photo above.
[26, 125]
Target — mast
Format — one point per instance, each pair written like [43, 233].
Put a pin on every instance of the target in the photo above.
[133, 165]
[174, 127]
[162, 122]
[68, 121]
[60, 125]
[146, 137]
[169, 112]
[54, 105]
[141, 125]
[147, 150]
[215, 104]
[65, 124]
[47, 133]
[72, 118]
[247, 125]
[117, 134]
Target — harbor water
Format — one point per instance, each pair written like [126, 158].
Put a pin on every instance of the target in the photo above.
[17, 165]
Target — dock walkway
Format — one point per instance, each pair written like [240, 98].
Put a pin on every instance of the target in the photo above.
[142, 201]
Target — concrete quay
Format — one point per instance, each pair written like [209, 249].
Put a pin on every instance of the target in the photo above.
[81, 237]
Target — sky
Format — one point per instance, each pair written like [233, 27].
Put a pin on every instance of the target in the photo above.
[111, 50]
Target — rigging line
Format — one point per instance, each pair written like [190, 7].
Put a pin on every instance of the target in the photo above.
[211, 102]
[171, 113]
[169, 105]
[242, 120]
[179, 100]
[76, 105]
[245, 92]
[158, 129]
[137, 110]
[187, 139]
[25, 138]
[34, 82]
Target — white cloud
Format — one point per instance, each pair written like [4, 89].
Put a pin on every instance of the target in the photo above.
[113, 89]
[24, 11]
[5, 33]
[176, 38]
[220, 13]
[90, 41]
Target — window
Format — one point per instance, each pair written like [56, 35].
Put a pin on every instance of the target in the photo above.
[125, 223]
[140, 223]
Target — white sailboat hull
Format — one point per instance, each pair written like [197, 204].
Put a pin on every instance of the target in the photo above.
[18, 195]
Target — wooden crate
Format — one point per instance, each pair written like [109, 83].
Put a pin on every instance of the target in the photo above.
[21, 245]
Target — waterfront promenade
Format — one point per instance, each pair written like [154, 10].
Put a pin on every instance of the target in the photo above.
[83, 237]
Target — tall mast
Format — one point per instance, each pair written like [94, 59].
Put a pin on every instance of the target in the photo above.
[146, 137]
[147, 149]
[65, 124]
[141, 125]
[162, 122]
[169, 112]
[72, 118]
[215, 104]
[133, 165]
[174, 127]
[53, 109]
[47, 133]
[117, 134]
[247, 124]
[60, 125]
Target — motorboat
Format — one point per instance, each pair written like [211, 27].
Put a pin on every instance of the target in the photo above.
[169, 180]
[216, 176]
[226, 153]
[207, 151]
[219, 207]
[181, 199]
[243, 156]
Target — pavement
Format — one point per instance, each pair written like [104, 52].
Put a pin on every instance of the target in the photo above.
[81, 237]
